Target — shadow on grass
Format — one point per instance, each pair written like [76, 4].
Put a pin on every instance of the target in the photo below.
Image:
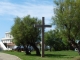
[33, 55]
[57, 56]
[53, 56]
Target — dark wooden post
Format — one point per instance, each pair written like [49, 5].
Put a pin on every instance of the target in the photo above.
[43, 27]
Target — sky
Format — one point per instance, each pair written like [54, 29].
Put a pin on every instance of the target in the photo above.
[10, 9]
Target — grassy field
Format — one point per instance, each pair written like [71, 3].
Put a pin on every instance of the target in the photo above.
[55, 55]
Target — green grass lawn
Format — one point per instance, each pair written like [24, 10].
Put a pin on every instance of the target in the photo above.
[54, 55]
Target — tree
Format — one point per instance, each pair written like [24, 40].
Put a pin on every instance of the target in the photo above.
[67, 20]
[25, 34]
[49, 39]
[53, 40]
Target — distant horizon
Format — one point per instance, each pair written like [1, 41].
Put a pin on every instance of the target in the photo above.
[10, 9]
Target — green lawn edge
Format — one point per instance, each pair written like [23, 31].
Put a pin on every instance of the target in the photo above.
[54, 55]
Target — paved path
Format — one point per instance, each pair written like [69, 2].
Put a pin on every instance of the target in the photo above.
[4, 56]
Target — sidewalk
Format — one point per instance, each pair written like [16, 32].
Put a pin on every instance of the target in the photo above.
[4, 56]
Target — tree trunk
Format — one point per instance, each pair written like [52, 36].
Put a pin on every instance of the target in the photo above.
[79, 51]
[75, 45]
[27, 50]
[36, 48]
[79, 47]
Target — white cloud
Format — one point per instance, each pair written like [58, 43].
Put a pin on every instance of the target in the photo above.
[22, 10]
[7, 8]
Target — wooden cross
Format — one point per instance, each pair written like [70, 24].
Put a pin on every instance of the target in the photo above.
[43, 27]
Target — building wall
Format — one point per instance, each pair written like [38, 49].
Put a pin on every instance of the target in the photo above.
[8, 35]
[8, 40]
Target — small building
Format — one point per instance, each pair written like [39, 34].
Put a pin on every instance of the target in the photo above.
[7, 41]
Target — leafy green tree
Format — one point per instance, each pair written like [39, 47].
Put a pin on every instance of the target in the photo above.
[53, 40]
[49, 39]
[67, 20]
[25, 33]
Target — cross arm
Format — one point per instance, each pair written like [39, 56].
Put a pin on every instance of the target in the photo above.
[47, 25]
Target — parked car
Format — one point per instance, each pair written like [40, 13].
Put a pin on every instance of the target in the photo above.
[21, 48]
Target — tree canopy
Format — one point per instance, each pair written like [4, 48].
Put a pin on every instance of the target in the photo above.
[67, 20]
[53, 40]
[24, 32]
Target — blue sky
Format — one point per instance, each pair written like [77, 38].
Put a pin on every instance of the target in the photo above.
[9, 9]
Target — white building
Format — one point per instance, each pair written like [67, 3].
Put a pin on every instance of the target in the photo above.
[7, 41]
